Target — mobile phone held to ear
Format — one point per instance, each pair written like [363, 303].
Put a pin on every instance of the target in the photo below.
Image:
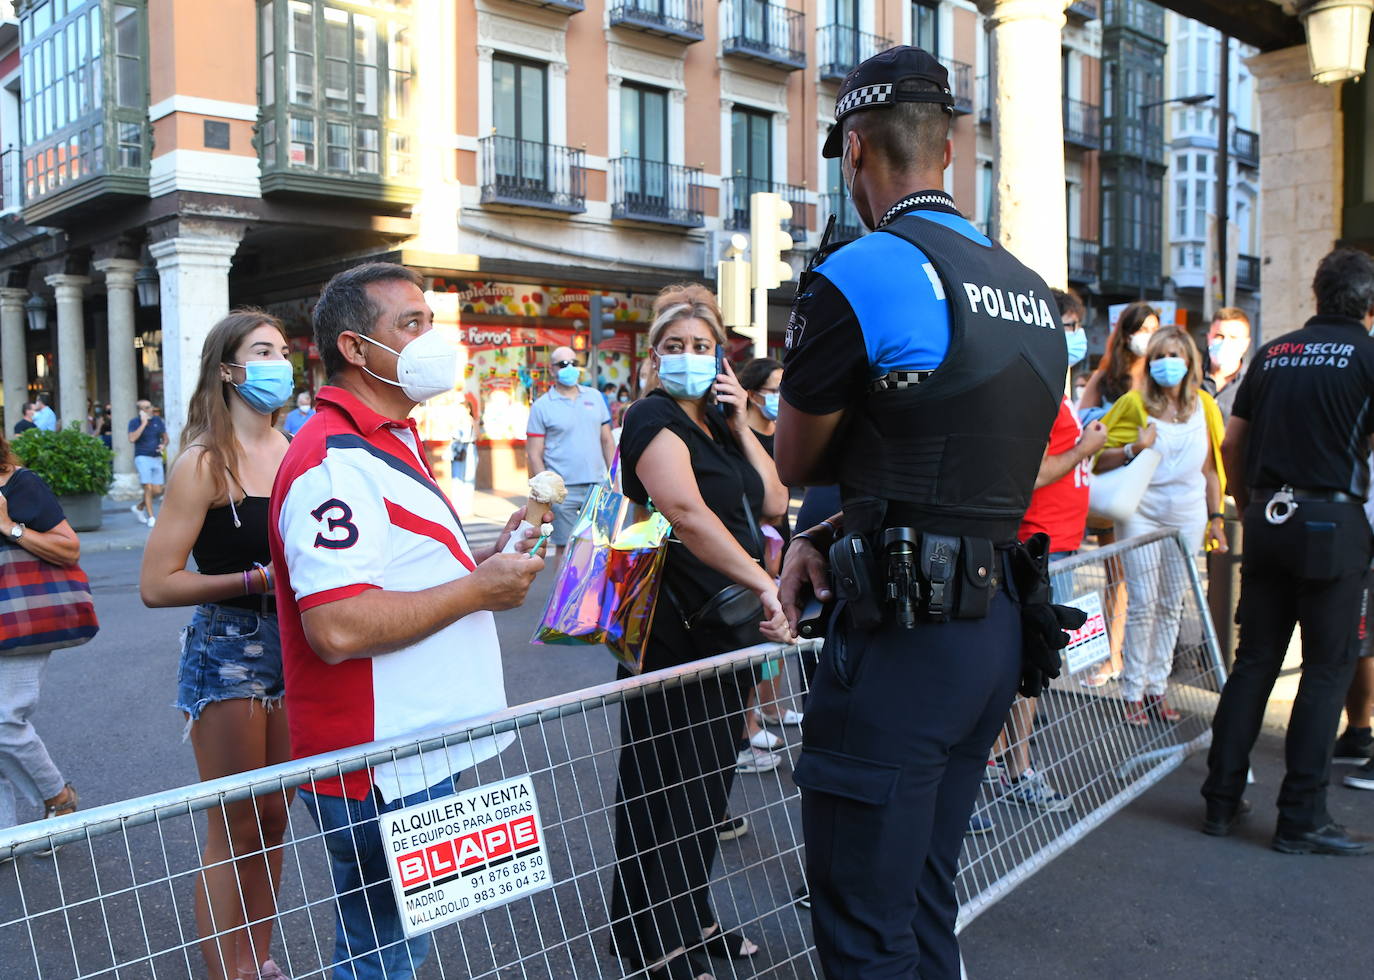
[726, 410]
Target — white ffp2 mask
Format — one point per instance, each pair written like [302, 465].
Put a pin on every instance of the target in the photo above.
[425, 367]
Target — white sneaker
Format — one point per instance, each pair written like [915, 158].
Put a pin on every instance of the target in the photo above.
[764, 740]
[138, 512]
[151, 522]
[788, 717]
[1034, 790]
[756, 760]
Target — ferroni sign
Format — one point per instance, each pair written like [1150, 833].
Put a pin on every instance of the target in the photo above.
[459, 855]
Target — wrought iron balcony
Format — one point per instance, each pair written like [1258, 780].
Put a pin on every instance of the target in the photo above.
[1245, 146]
[842, 48]
[765, 32]
[734, 208]
[1083, 9]
[984, 100]
[1082, 124]
[661, 193]
[847, 223]
[1125, 269]
[1248, 272]
[527, 173]
[566, 6]
[1082, 261]
[678, 19]
[961, 84]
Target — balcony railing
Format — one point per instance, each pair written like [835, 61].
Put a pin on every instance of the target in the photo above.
[765, 32]
[984, 100]
[847, 223]
[961, 84]
[566, 6]
[528, 173]
[1082, 261]
[662, 193]
[734, 207]
[1245, 146]
[679, 19]
[1083, 9]
[1248, 272]
[1082, 124]
[1125, 269]
[842, 48]
[10, 196]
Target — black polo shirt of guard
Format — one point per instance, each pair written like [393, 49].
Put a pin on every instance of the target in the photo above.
[1309, 400]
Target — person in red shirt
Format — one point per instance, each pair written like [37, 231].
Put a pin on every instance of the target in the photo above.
[1059, 509]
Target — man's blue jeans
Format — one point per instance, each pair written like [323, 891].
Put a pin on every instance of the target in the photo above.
[370, 943]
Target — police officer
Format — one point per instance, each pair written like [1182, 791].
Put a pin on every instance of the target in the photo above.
[925, 366]
[1296, 453]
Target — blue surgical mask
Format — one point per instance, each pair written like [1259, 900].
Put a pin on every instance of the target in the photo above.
[687, 375]
[267, 385]
[1215, 348]
[567, 376]
[1078, 345]
[1168, 371]
[769, 408]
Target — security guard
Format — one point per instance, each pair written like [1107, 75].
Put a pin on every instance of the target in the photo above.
[1296, 454]
[924, 370]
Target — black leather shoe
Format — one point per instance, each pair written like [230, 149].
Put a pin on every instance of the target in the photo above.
[1331, 839]
[1222, 818]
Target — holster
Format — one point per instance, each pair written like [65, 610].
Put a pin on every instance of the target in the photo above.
[958, 577]
[854, 573]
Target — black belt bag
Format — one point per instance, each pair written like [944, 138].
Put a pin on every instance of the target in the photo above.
[730, 619]
[958, 577]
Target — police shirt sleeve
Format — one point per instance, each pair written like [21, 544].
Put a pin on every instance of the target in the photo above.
[826, 363]
[334, 528]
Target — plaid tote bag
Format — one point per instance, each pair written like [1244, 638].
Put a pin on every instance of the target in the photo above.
[42, 606]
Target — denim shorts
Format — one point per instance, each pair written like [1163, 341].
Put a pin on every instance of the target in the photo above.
[228, 653]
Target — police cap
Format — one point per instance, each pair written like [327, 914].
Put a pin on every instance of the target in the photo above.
[885, 79]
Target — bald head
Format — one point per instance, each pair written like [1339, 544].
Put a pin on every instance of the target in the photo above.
[562, 354]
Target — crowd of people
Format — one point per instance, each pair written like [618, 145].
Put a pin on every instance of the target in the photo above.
[331, 568]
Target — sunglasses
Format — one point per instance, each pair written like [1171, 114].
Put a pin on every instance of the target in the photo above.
[563, 364]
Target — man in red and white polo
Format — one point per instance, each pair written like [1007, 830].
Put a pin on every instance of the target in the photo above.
[385, 612]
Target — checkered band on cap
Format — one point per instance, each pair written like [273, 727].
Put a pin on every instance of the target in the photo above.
[866, 95]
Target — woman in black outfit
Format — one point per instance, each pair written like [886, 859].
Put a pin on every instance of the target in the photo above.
[706, 473]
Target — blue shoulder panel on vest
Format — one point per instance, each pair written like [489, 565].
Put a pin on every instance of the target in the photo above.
[903, 314]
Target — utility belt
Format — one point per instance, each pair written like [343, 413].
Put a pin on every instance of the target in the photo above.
[1282, 503]
[916, 575]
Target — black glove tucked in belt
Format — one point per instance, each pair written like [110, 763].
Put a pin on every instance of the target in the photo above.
[1043, 623]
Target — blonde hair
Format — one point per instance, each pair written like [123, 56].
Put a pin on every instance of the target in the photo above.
[1153, 395]
[678, 302]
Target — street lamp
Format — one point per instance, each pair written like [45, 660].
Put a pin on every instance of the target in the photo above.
[1144, 139]
[1337, 38]
[147, 286]
[36, 309]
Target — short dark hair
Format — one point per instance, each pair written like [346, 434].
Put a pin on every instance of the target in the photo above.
[344, 304]
[1068, 302]
[1344, 284]
[755, 374]
[909, 135]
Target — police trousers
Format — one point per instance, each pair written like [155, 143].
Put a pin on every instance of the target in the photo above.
[895, 743]
[1275, 593]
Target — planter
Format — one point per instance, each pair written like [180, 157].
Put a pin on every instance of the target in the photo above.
[82, 510]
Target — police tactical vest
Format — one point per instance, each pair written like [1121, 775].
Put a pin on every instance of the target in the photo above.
[959, 452]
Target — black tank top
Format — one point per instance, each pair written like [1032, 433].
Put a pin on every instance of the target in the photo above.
[221, 548]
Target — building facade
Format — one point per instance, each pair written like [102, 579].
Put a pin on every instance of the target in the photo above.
[168, 159]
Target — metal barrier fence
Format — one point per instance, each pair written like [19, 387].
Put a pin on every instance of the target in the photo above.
[116, 899]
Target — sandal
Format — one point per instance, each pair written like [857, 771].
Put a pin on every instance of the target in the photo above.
[683, 966]
[727, 945]
[56, 809]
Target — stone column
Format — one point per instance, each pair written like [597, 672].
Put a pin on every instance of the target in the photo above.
[1028, 133]
[14, 359]
[71, 348]
[1301, 161]
[194, 273]
[119, 299]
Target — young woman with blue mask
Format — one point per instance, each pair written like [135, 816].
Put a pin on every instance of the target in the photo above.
[687, 447]
[1170, 413]
[230, 685]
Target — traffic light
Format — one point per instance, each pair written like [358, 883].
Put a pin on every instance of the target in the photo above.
[732, 283]
[599, 316]
[767, 215]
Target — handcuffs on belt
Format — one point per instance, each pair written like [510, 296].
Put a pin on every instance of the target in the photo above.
[1281, 505]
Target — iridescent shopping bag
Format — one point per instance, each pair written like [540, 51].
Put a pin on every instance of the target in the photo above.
[607, 588]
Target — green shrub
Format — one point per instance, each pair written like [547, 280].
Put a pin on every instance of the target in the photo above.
[69, 461]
